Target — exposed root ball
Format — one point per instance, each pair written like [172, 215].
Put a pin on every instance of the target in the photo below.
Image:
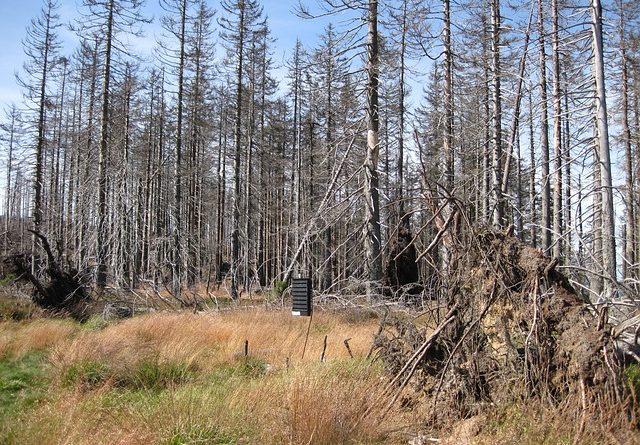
[519, 330]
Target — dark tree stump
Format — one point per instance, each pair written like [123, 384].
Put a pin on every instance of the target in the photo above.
[61, 292]
[401, 269]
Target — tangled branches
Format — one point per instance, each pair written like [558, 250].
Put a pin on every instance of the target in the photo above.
[514, 329]
[61, 292]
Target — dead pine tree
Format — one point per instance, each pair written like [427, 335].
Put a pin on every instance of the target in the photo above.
[62, 292]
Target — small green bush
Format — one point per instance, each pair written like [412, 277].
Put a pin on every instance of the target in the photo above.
[89, 373]
[278, 289]
[252, 366]
[151, 374]
[95, 323]
[147, 374]
[195, 433]
[7, 280]
[632, 379]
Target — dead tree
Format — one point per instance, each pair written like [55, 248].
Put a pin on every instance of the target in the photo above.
[62, 292]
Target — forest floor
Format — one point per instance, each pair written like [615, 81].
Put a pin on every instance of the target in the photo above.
[179, 377]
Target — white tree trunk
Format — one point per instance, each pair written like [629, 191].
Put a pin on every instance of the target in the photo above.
[602, 144]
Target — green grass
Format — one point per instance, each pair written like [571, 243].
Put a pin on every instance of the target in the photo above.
[194, 433]
[95, 323]
[632, 379]
[252, 366]
[16, 309]
[22, 382]
[147, 374]
[151, 374]
[88, 374]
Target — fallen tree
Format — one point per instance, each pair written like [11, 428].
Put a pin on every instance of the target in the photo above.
[511, 328]
[58, 291]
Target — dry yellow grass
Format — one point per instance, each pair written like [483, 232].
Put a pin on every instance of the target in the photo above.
[271, 397]
[302, 406]
[208, 339]
[17, 338]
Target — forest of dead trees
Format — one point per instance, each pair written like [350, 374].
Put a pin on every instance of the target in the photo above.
[207, 158]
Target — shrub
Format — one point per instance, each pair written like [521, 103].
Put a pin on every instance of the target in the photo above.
[252, 366]
[278, 289]
[88, 374]
[7, 280]
[195, 433]
[151, 374]
[632, 379]
[95, 323]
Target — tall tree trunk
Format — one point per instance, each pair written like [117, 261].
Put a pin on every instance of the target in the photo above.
[448, 100]
[371, 196]
[566, 141]
[247, 175]
[177, 257]
[545, 203]
[629, 260]
[533, 214]
[8, 205]
[496, 101]
[235, 202]
[297, 149]
[327, 276]
[606, 191]
[102, 246]
[486, 146]
[404, 218]
[221, 189]
[557, 134]
[41, 124]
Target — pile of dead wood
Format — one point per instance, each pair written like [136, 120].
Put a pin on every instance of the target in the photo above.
[511, 328]
[56, 290]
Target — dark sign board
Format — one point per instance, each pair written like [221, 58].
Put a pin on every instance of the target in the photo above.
[301, 295]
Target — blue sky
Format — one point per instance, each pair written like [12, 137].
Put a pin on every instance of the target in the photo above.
[15, 16]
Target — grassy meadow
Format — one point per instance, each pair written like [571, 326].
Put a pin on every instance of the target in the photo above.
[183, 378]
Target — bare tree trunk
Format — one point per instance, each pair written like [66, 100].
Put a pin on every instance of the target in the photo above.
[636, 140]
[629, 260]
[515, 123]
[544, 135]
[371, 197]
[327, 276]
[248, 172]
[606, 191]
[486, 146]
[235, 202]
[557, 134]
[533, 214]
[8, 205]
[566, 141]
[102, 245]
[177, 257]
[448, 100]
[496, 101]
[297, 171]
[404, 218]
[221, 192]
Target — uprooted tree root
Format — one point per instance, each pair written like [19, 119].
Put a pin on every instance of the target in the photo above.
[60, 292]
[513, 330]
